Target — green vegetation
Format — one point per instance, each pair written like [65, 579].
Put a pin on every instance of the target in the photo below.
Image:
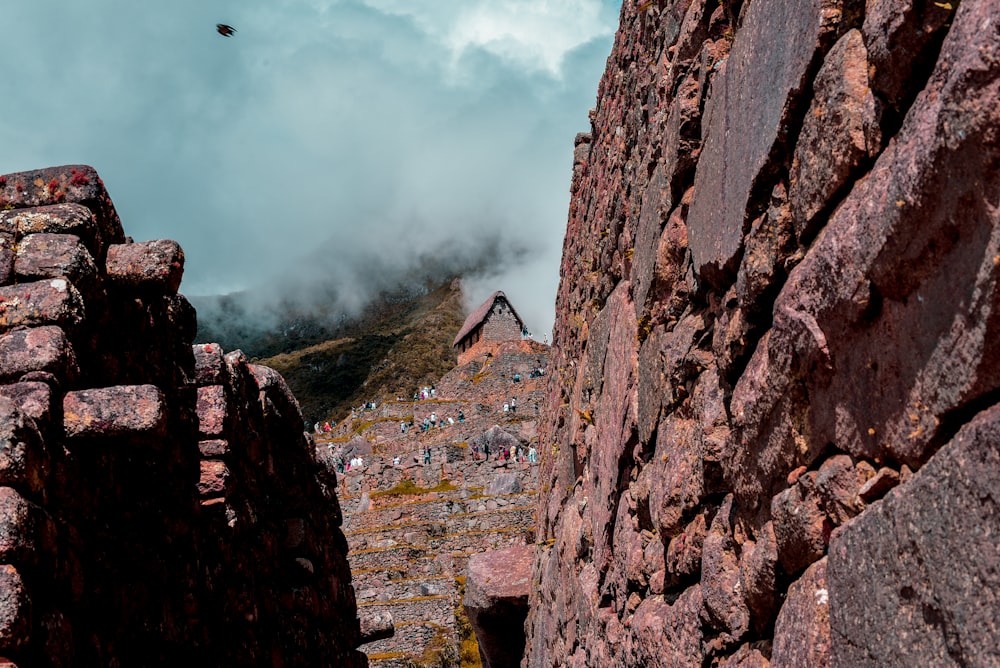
[396, 345]
[468, 647]
[407, 486]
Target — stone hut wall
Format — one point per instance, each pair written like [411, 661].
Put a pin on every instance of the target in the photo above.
[501, 324]
[772, 423]
[159, 503]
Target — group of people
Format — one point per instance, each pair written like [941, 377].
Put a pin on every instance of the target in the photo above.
[515, 454]
[432, 421]
[324, 428]
[510, 406]
[425, 393]
[345, 466]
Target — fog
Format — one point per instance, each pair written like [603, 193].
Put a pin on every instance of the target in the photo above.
[337, 143]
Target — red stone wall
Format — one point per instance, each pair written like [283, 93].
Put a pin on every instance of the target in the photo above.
[159, 503]
[777, 304]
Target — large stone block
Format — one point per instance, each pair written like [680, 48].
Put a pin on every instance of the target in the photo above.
[496, 600]
[897, 298]
[156, 266]
[74, 219]
[37, 349]
[747, 113]
[43, 255]
[915, 579]
[119, 411]
[839, 133]
[67, 184]
[48, 302]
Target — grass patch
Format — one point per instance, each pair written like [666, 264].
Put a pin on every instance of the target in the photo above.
[407, 487]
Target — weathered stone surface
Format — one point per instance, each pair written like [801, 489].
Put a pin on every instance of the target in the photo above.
[25, 537]
[152, 265]
[839, 133]
[37, 349]
[902, 38]
[213, 448]
[212, 411]
[838, 484]
[15, 610]
[32, 398]
[496, 600]
[69, 219]
[746, 115]
[23, 460]
[668, 635]
[720, 576]
[213, 477]
[49, 302]
[377, 626]
[802, 631]
[877, 486]
[504, 483]
[208, 364]
[758, 576]
[68, 184]
[895, 294]
[41, 256]
[124, 410]
[915, 579]
[801, 528]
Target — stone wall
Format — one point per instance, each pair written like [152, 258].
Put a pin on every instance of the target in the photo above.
[159, 503]
[501, 324]
[776, 352]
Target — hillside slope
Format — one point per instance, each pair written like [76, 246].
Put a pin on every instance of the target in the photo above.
[398, 342]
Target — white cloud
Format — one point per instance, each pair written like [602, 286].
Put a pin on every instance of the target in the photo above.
[534, 35]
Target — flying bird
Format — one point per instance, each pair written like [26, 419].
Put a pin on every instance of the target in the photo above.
[224, 30]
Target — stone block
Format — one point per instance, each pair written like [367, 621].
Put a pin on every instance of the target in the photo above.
[496, 601]
[155, 266]
[48, 302]
[213, 411]
[137, 411]
[839, 134]
[44, 255]
[19, 522]
[802, 630]
[44, 349]
[746, 116]
[208, 364]
[33, 399]
[801, 528]
[214, 447]
[15, 610]
[23, 459]
[915, 579]
[69, 219]
[213, 477]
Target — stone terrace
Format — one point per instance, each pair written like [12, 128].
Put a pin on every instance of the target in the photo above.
[408, 551]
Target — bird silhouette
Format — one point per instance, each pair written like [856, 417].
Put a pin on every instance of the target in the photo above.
[224, 30]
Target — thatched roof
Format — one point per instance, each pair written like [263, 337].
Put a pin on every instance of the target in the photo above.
[476, 317]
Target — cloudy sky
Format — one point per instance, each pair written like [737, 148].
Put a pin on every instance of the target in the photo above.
[375, 129]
